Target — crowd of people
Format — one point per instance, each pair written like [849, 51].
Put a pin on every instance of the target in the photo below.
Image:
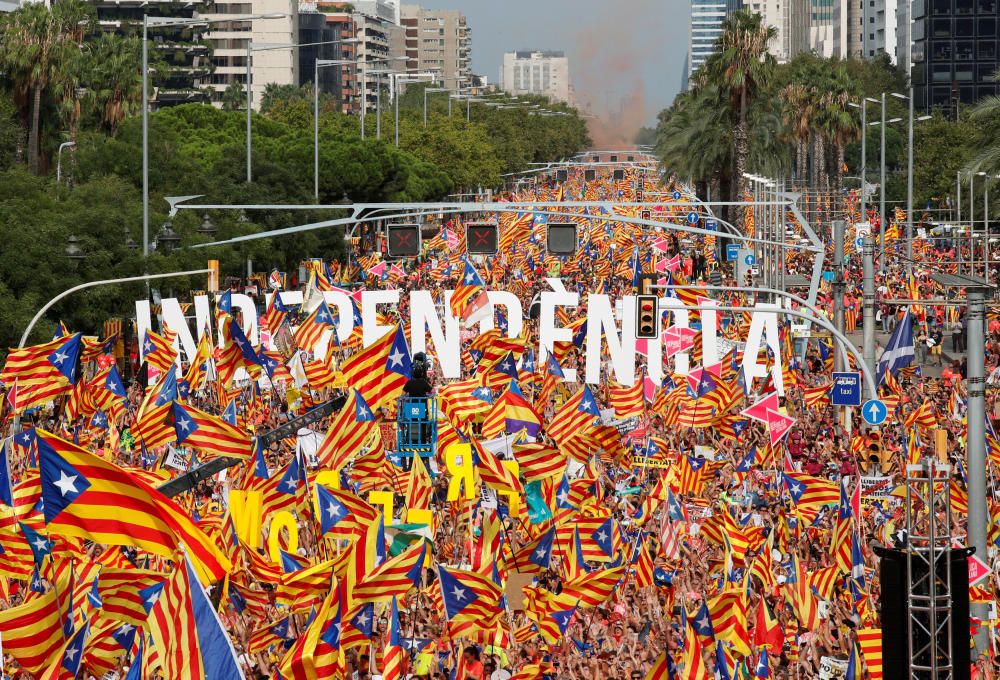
[662, 532]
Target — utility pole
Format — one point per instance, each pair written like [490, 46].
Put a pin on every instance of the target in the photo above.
[864, 159]
[976, 359]
[909, 184]
[839, 229]
[868, 304]
[881, 180]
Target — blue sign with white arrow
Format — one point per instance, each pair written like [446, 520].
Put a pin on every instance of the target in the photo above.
[846, 390]
[874, 411]
[749, 260]
[692, 217]
[677, 195]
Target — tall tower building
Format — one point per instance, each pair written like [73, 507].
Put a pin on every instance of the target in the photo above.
[437, 41]
[954, 53]
[707, 18]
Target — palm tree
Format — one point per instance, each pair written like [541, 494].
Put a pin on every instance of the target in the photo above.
[38, 50]
[114, 78]
[741, 66]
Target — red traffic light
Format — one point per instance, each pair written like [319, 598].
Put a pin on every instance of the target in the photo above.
[646, 318]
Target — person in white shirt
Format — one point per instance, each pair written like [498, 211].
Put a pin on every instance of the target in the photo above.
[494, 673]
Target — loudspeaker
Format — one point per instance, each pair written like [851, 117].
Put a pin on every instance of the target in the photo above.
[897, 647]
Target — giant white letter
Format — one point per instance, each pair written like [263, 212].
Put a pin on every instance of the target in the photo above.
[548, 333]
[447, 342]
[601, 321]
[370, 300]
[763, 324]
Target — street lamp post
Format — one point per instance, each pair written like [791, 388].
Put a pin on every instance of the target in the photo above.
[428, 90]
[320, 63]
[909, 177]
[162, 22]
[395, 96]
[251, 48]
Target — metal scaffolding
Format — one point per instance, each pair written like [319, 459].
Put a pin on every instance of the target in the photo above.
[928, 570]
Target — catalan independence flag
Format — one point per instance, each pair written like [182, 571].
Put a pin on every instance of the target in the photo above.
[469, 302]
[86, 496]
[210, 434]
[41, 372]
[189, 638]
[380, 371]
[32, 632]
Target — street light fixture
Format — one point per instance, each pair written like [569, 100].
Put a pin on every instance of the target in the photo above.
[207, 228]
[161, 22]
[73, 251]
[378, 93]
[167, 239]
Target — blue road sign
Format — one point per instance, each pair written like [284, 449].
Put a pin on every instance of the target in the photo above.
[677, 195]
[749, 260]
[692, 217]
[711, 225]
[846, 390]
[874, 411]
[732, 252]
[859, 243]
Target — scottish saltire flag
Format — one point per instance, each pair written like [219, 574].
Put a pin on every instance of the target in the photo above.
[899, 351]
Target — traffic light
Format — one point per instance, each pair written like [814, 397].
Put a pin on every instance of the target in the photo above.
[619, 175]
[561, 238]
[562, 175]
[878, 458]
[638, 196]
[645, 214]
[646, 317]
[590, 175]
[481, 238]
[403, 240]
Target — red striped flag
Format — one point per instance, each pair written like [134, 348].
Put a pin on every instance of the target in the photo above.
[394, 577]
[210, 434]
[627, 402]
[349, 430]
[89, 497]
[380, 371]
[32, 632]
[593, 589]
[312, 328]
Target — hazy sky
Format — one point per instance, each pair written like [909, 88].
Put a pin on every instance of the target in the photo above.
[620, 51]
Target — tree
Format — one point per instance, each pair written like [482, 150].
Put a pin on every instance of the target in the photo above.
[741, 66]
[113, 78]
[235, 97]
[40, 47]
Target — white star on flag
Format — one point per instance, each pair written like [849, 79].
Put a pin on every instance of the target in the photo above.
[66, 483]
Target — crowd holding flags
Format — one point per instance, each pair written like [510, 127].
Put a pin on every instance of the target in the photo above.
[661, 529]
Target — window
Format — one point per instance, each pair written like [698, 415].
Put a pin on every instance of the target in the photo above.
[964, 27]
[987, 27]
[987, 49]
[964, 50]
[942, 28]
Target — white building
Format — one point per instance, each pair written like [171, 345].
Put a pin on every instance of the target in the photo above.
[536, 72]
[792, 19]
[865, 28]
[230, 40]
[821, 27]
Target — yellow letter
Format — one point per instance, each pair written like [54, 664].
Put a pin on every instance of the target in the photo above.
[513, 499]
[458, 460]
[246, 510]
[282, 520]
[383, 498]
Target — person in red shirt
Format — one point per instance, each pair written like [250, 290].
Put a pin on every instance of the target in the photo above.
[473, 666]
